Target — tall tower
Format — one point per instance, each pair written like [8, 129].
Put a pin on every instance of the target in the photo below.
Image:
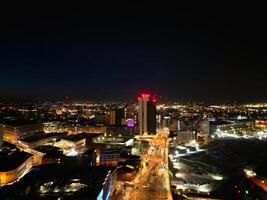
[110, 117]
[1, 134]
[147, 114]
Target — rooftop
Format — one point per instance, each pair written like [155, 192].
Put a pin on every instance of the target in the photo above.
[49, 150]
[12, 158]
[41, 135]
[110, 150]
[80, 136]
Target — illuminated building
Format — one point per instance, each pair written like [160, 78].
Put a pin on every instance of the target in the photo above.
[147, 114]
[178, 125]
[130, 112]
[41, 138]
[241, 126]
[74, 129]
[219, 125]
[52, 127]
[90, 155]
[130, 122]
[1, 138]
[185, 136]
[166, 122]
[130, 116]
[261, 124]
[123, 122]
[111, 117]
[110, 157]
[13, 164]
[115, 117]
[14, 131]
[204, 127]
[158, 121]
[117, 132]
[79, 141]
[51, 154]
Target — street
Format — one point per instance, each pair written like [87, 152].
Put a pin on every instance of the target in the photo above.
[152, 182]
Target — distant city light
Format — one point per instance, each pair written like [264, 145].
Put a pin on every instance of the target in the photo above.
[249, 172]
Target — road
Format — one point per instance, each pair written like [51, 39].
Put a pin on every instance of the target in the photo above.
[152, 182]
[259, 181]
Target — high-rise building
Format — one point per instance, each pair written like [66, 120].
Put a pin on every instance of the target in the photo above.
[110, 117]
[16, 130]
[114, 117]
[119, 115]
[185, 136]
[204, 127]
[130, 112]
[1, 137]
[147, 114]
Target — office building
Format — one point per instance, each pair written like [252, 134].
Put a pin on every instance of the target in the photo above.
[185, 136]
[110, 157]
[147, 114]
[204, 127]
[14, 163]
[130, 112]
[41, 138]
[99, 119]
[1, 138]
[54, 126]
[261, 123]
[111, 117]
[116, 117]
[80, 128]
[17, 130]
[119, 115]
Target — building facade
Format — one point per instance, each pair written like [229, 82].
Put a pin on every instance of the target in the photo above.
[1, 138]
[13, 133]
[147, 114]
[111, 117]
[13, 165]
[185, 136]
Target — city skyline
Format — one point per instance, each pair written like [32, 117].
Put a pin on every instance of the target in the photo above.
[135, 150]
[182, 54]
[133, 102]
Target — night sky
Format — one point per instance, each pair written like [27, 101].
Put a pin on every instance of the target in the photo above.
[182, 53]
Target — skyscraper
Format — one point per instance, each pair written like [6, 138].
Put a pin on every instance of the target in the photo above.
[110, 117]
[114, 117]
[1, 136]
[119, 115]
[147, 114]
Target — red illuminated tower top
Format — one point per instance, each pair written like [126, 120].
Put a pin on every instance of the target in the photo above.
[147, 97]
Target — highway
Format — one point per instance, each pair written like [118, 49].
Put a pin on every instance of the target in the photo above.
[152, 182]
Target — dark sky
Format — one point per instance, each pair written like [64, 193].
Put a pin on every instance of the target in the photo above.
[112, 53]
